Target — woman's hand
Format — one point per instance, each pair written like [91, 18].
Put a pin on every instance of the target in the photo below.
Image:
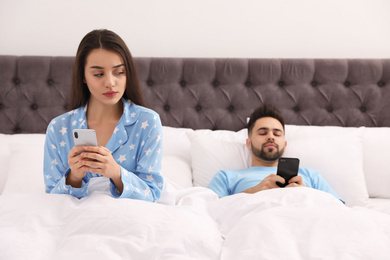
[77, 170]
[97, 160]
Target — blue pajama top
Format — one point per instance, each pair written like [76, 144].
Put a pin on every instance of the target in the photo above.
[136, 145]
[230, 182]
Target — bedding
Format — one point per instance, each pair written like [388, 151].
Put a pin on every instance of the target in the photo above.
[49, 226]
[200, 225]
[293, 223]
[336, 123]
[299, 223]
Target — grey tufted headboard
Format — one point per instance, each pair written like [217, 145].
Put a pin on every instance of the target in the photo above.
[208, 93]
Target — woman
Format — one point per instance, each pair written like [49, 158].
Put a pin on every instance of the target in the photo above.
[105, 96]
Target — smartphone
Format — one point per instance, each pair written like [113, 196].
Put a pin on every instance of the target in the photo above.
[84, 137]
[287, 168]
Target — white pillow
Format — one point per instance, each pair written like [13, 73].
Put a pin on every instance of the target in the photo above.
[226, 135]
[25, 169]
[4, 160]
[339, 159]
[376, 143]
[177, 170]
[343, 167]
[305, 131]
[38, 139]
[5, 152]
[210, 155]
[176, 142]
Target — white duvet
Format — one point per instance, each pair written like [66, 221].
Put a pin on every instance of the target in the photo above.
[299, 223]
[290, 223]
[40, 226]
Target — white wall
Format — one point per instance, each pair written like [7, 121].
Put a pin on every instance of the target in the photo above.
[202, 28]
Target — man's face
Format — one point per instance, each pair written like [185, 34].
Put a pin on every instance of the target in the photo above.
[267, 141]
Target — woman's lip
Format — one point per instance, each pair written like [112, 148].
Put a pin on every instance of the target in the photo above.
[110, 93]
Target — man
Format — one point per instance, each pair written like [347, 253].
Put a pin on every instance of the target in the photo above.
[266, 141]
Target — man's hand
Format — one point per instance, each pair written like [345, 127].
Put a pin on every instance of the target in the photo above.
[269, 182]
[296, 182]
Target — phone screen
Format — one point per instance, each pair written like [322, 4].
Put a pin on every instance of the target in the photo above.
[287, 168]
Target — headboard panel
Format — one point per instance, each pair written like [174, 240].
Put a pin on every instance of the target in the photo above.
[208, 93]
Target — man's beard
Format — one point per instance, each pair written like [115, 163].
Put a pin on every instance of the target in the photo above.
[265, 155]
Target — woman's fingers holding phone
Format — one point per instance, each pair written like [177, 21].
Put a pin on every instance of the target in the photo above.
[103, 163]
[75, 151]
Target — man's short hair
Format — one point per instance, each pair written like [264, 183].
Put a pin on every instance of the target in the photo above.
[265, 110]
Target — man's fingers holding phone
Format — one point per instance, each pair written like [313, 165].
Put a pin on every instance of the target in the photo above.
[272, 180]
[296, 182]
[278, 180]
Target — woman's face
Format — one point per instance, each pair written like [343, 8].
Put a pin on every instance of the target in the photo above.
[105, 76]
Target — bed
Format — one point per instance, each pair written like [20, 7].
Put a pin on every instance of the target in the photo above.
[337, 122]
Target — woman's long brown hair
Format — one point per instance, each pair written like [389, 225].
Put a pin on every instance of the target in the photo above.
[107, 40]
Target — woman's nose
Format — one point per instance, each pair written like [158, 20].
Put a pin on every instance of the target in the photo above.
[110, 81]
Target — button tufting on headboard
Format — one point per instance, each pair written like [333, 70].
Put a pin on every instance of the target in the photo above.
[50, 82]
[17, 130]
[381, 84]
[231, 108]
[150, 82]
[210, 93]
[281, 83]
[16, 81]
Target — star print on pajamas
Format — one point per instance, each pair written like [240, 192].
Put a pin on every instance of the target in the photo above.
[144, 125]
[132, 138]
[122, 158]
[63, 130]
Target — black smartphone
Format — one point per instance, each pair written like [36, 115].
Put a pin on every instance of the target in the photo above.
[287, 168]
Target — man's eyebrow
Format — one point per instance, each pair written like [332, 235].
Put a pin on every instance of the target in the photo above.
[98, 67]
[266, 128]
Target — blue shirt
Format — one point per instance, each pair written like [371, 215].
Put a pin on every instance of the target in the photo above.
[136, 145]
[231, 182]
